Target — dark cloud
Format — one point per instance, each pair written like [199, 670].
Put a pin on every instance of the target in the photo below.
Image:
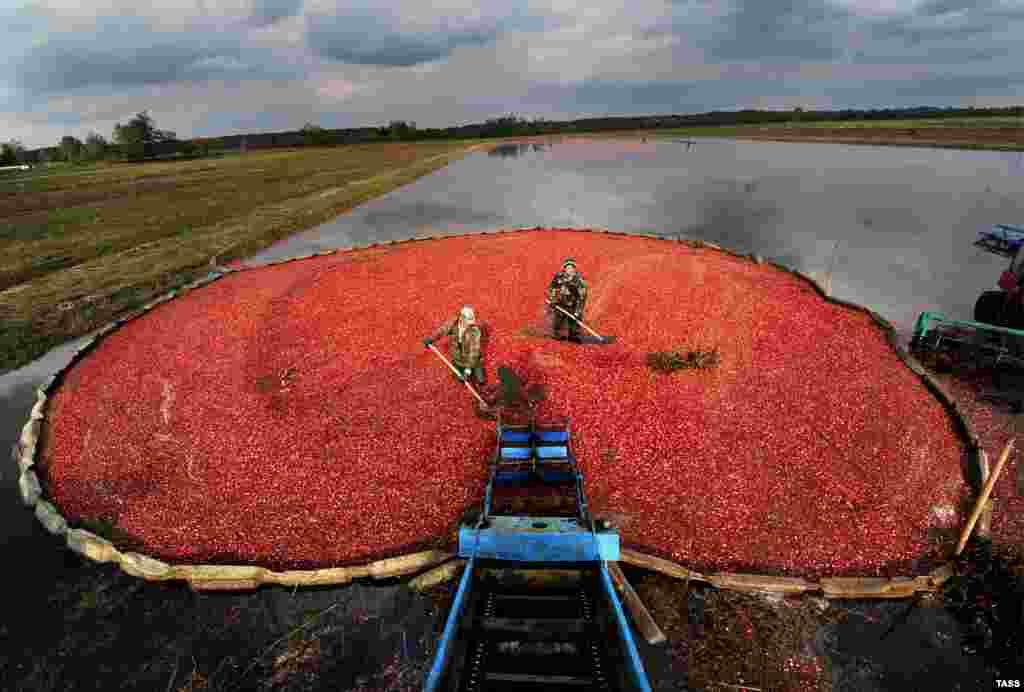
[932, 8]
[935, 32]
[267, 12]
[61, 66]
[942, 32]
[123, 53]
[935, 8]
[937, 21]
[365, 40]
[910, 32]
[368, 37]
[786, 29]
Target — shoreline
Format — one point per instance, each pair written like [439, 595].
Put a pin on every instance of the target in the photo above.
[1005, 139]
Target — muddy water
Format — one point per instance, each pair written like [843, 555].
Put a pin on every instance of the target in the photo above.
[891, 227]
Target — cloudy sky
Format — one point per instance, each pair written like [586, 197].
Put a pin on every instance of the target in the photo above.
[214, 67]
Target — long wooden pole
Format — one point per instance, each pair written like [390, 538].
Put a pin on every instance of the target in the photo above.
[644, 622]
[983, 498]
[576, 319]
[459, 375]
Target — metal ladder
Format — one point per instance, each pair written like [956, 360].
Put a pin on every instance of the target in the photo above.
[520, 639]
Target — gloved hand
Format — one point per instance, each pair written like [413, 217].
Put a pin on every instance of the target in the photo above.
[427, 343]
[466, 372]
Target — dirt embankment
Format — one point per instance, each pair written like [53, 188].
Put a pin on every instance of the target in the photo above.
[1010, 138]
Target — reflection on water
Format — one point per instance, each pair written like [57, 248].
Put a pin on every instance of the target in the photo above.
[512, 150]
[888, 227]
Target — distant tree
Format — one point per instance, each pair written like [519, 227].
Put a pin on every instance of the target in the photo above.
[505, 126]
[95, 147]
[207, 146]
[401, 129]
[11, 153]
[136, 139]
[189, 148]
[70, 148]
[315, 136]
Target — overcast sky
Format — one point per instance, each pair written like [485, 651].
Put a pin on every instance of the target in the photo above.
[214, 67]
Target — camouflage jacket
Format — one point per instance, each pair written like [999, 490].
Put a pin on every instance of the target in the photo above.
[465, 352]
[569, 293]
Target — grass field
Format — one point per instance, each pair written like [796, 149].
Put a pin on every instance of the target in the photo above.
[985, 123]
[79, 246]
[998, 133]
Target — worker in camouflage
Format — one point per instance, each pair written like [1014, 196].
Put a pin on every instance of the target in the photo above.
[569, 292]
[465, 339]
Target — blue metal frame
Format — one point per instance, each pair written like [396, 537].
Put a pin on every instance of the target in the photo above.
[444, 646]
[636, 665]
[537, 540]
[1002, 239]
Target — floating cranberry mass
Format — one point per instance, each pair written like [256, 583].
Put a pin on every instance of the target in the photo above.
[290, 416]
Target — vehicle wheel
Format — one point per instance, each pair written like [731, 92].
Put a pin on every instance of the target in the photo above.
[989, 307]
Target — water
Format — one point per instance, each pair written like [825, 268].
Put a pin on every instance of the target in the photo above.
[17, 396]
[894, 225]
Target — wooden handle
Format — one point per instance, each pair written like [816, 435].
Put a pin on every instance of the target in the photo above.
[641, 616]
[577, 319]
[983, 498]
[458, 374]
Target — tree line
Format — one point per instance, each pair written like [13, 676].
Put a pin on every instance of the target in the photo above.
[140, 139]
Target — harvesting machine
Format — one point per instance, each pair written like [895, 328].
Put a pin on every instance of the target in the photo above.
[996, 334]
[536, 608]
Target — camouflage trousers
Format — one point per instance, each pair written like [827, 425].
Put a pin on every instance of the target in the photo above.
[477, 374]
[560, 318]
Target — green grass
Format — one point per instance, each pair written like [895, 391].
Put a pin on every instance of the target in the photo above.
[56, 224]
[81, 244]
[919, 123]
[996, 133]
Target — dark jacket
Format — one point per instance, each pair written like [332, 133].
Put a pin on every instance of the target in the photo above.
[465, 352]
[568, 293]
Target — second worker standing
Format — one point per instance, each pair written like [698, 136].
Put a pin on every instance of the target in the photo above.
[569, 292]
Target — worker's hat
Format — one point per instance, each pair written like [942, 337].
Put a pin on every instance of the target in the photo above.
[467, 314]
[568, 262]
